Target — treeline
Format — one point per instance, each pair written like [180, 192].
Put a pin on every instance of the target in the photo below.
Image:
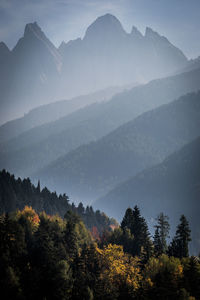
[47, 257]
[134, 236]
[16, 194]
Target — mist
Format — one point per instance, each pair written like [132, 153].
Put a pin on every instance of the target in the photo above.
[35, 72]
[94, 116]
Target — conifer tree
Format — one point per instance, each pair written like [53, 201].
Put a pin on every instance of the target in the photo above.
[161, 234]
[179, 245]
[128, 219]
[139, 229]
[70, 234]
[38, 187]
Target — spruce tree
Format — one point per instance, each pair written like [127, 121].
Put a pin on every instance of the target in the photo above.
[179, 245]
[139, 229]
[127, 220]
[161, 234]
[70, 234]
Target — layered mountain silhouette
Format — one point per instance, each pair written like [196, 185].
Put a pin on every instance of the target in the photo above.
[91, 170]
[32, 73]
[40, 146]
[36, 72]
[107, 53]
[172, 186]
[53, 111]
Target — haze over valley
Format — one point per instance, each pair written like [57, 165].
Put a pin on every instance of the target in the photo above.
[111, 119]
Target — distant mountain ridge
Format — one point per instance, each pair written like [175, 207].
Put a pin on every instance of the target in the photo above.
[93, 169]
[36, 72]
[40, 146]
[119, 56]
[53, 111]
[172, 186]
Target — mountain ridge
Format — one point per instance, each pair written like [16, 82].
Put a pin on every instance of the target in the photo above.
[38, 72]
[171, 186]
[95, 168]
[48, 141]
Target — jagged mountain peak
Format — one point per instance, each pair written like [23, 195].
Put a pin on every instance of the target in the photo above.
[154, 35]
[104, 26]
[4, 49]
[33, 30]
[33, 34]
[150, 33]
[136, 33]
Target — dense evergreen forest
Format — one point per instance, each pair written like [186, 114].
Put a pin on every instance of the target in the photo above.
[17, 193]
[51, 249]
[49, 257]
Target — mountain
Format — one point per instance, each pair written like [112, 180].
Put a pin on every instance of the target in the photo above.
[53, 111]
[5, 55]
[172, 186]
[192, 64]
[4, 52]
[91, 170]
[38, 147]
[108, 54]
[39, 73]
[34, 68]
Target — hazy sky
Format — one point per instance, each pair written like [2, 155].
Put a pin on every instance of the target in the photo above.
[179, 20]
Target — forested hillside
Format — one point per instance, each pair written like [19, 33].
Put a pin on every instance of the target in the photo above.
[47, 257]
[92, 170]
[42, 145]
[17, 193]
[99, 150]
[172, 186]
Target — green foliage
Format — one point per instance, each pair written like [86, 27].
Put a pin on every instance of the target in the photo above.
[179, 245]
[133, 235]
[16, 194]
[47, 257]
[161, 234]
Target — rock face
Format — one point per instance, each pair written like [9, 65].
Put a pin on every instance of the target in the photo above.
[38, 73]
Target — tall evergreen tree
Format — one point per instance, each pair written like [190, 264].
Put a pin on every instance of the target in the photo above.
[139, 229]
[179, 245]
[161, 234]
[127, 219]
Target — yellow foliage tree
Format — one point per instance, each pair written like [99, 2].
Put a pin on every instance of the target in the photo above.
[120, 271]
[29, 214]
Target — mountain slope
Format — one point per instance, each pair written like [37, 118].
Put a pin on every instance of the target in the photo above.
[33, 73]
[91, 170]
[172, 186]
[41, 145]
[51, 112]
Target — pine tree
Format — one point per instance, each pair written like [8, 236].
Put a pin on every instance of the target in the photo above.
[38, 187]
[80, 209]
[179, 245]
[127, 220]
[139, 229]
[161, 234]
[70, 234]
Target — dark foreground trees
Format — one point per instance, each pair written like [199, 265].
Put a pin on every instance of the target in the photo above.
[47, 257]
[161, 234]
[179, 245]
